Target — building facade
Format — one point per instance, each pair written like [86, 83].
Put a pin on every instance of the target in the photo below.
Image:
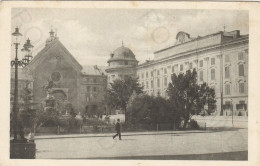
[220, 59]
[71, 82]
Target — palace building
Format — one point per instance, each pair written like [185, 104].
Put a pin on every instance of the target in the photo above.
[220, 59]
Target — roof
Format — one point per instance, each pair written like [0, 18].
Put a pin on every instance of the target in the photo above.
[122, 53]
[94, 70]
[54, 47]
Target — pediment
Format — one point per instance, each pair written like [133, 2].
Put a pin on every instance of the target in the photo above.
[52, 53]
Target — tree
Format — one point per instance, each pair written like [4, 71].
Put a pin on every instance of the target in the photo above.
[187, 96]
[145, 109]
[119, 92]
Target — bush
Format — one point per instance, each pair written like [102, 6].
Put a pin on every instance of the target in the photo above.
[193, 124]
[95, 122]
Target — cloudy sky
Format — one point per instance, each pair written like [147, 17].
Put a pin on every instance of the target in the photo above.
[92, 34]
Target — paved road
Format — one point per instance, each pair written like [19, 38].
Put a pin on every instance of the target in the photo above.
[139, 146]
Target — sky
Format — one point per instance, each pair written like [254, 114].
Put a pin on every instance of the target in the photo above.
[91, 35]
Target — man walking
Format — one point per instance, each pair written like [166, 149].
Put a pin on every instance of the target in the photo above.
[118, 129]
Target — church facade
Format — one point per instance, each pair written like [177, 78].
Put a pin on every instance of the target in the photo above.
[73, 83]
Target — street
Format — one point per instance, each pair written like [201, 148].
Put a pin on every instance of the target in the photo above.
[146, 145]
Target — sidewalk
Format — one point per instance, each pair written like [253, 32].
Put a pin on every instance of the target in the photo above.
[111, 134]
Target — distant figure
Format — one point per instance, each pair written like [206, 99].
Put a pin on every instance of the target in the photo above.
[118, 129]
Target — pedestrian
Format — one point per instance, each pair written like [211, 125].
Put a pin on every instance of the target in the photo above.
[118, 130]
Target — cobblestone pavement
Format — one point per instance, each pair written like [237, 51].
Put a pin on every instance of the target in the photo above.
[175, 143]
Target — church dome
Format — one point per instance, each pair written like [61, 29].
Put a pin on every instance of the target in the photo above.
[122, 53]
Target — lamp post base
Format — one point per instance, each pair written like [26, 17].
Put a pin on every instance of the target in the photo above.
[22, 150]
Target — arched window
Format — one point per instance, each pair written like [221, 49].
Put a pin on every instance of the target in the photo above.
[212, 74]
[158, 82]
[241, 70]
[241, 87]
[227, 89]
[226, 72]
[201, 75]
[165, 81]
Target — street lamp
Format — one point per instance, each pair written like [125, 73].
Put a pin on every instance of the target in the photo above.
[18, 63]
[231, 103]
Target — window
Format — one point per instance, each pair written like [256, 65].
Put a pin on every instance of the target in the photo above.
[146, 74]
[147, 86]
[227, 58]
[242, 102]
[212, 61]
[158, 82]
[181, 67]
[190, 65]
[151, 73]
[172, 69]
[226, 72]
[240, 56]
[88, 88]
[152, 84]
[94, 80]
[241, 88]
[126, 62]
[142, 75]
[227, 89]
[165, 81]
[165, 70]
[212, 74]
[201, 63]
[158, 72]
[94, 89]
[201, 75]
[241, 70]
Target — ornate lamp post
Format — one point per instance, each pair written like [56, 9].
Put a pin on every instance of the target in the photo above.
[19, 63]
[231, 104]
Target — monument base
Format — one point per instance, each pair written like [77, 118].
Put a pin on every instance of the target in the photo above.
[22, 150]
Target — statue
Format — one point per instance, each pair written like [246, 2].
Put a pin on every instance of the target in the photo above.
[50, 102]
[48, 88]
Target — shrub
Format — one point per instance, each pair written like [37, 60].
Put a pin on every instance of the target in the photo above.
[194, 124]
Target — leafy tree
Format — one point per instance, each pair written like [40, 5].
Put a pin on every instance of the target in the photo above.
[187, 97]
[150, 110]
[119, 92]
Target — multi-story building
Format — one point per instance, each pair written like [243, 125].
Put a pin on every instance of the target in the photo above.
[220, 59]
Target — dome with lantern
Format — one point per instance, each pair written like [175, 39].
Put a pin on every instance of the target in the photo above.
[122, 56]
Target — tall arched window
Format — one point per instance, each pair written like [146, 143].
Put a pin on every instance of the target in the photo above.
[227, 89]
[212, 74]
[226, 72]
[201, 75]
[241, 70]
